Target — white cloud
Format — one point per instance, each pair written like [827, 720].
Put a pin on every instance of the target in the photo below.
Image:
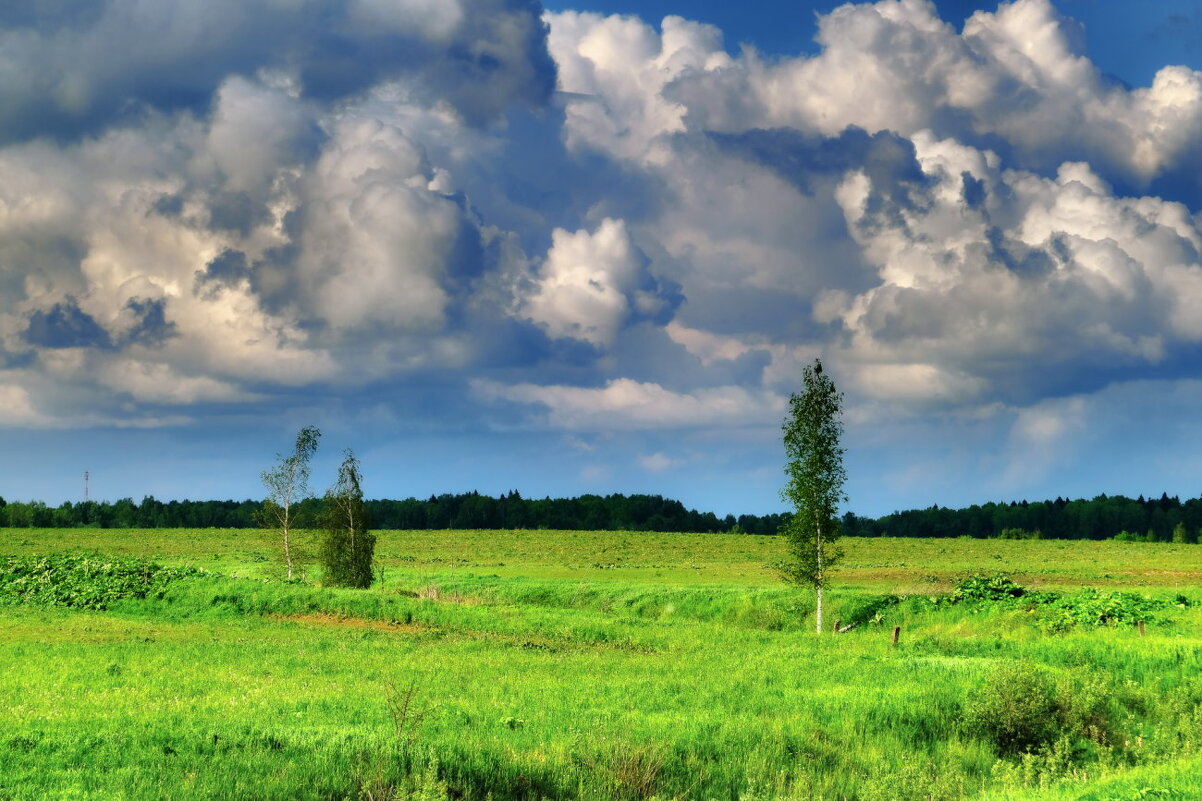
[1034, 273]
[707, 347]
[591, 284]
[378, 237]
[17, 408]
[657, 462]
[160, 383]
[623, 404]
[617, 68]
[707, 223]
[1019, 73]
[1043, 439]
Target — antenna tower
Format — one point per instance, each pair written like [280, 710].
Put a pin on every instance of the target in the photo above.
[85, 486]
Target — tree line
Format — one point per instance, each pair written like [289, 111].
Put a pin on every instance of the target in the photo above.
[1163, 519]
[469, 510]
[1103, 517]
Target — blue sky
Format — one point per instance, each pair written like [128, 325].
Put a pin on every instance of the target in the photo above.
[588, 247]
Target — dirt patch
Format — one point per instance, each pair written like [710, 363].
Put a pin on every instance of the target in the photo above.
[341, 622]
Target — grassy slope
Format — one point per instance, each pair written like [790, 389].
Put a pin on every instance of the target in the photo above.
[574, 665]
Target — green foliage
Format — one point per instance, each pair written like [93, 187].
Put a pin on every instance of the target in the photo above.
[814, 467]
[83, 582]
[1058, 613]
[998, 587]
[1093, 607]
[348, 548]
[863, 609]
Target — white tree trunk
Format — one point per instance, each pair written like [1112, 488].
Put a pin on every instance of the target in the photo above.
[819, 609]
[818, 545]
[287, 521]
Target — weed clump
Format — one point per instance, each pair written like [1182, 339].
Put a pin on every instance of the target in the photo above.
[83, 582]
[1060, 613]
[987, 588]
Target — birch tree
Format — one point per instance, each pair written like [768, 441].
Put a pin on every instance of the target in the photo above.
[812, 429]
[348, 548]
[287, 484]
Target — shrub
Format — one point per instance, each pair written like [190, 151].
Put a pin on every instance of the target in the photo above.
[1016, 710]
[1019, 534]
[1129, 536]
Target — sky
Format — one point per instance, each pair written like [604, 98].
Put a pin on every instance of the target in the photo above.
[588, 247]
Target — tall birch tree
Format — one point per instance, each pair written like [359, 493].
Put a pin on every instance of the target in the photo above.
[812, 430]
[287, 484]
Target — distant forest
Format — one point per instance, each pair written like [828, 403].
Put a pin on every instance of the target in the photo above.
[1164, 519]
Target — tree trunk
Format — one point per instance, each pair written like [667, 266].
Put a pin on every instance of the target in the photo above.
[287, 539]
[819, 577]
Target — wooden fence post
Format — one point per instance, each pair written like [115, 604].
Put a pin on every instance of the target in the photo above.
[1140, 625]
[896, 634]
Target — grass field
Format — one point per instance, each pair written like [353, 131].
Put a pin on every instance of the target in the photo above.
[602, 665]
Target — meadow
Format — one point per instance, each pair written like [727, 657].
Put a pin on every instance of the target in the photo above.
[608, 665]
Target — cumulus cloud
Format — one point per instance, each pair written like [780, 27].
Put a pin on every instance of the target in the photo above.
[1017, 76]
[379, 238]
[199, 204]
[591, 284]
[1037, 286]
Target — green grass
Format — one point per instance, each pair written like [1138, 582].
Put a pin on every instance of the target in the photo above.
[591, 665]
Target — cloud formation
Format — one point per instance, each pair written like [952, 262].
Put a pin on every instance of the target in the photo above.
[581, 222]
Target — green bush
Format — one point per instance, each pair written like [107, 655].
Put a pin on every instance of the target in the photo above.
[1017, 709]
[1019, 534]
[1023, 708]
[83, 582]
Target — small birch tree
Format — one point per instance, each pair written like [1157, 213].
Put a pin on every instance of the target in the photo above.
[287, 484]
[348, 549]
[814, 467]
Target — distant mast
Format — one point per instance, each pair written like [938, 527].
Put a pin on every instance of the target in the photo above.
[85, 486]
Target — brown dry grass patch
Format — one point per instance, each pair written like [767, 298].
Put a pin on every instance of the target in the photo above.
[324, 620]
